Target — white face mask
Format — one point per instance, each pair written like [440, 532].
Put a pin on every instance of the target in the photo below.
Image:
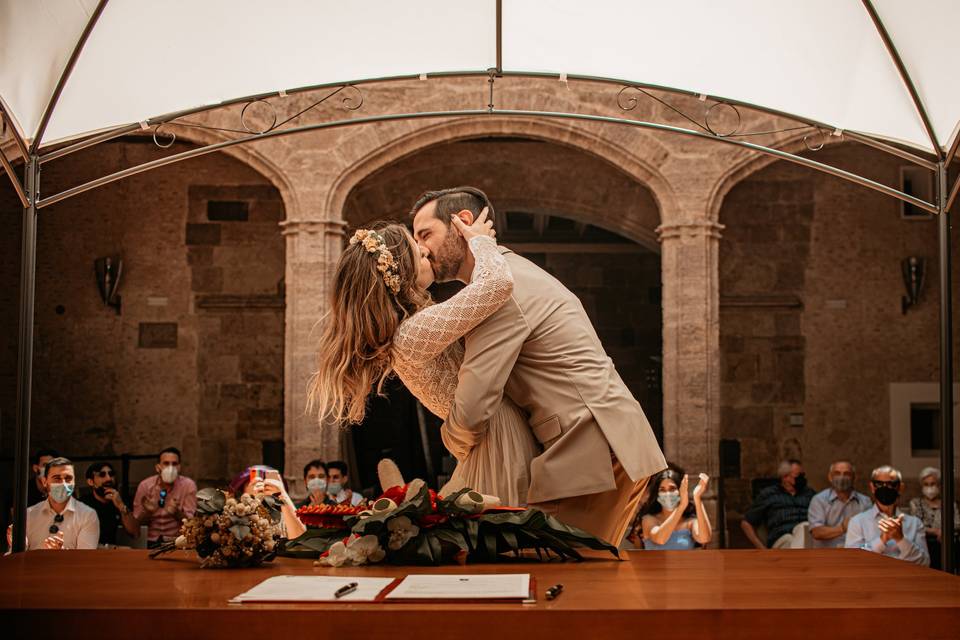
[931, 491]
[169, 474]
[316, 485]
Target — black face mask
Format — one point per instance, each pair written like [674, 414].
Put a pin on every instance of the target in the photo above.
[886, 495]
[800, 483]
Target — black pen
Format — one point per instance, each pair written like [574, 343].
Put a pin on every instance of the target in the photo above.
[554, 591]
[345, 589]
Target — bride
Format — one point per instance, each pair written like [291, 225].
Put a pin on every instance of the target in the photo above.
[382, 320]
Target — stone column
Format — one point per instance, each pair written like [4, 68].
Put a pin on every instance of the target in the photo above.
[691, 348]
[313, 247]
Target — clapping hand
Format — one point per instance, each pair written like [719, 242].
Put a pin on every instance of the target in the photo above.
[701, 487]
[173, 506]
[684, 493]
[480, 227]
[891, 529]
[54, 542]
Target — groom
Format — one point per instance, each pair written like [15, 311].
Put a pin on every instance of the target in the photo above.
[541, 350]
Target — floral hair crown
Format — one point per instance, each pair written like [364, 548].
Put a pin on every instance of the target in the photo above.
[386, 264]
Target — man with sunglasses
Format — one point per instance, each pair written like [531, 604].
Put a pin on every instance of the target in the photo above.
[884, 528]
[104, 498]
[61, 521]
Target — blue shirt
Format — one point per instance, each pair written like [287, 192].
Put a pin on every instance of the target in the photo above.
[679, 540]
[864, 533]
[828, 510]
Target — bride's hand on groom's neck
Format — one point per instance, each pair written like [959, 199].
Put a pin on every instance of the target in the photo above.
[480, 227]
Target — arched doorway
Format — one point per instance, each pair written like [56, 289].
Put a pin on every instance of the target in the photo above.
[561, 208]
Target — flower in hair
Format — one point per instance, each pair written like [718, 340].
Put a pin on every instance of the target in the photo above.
[386, 264]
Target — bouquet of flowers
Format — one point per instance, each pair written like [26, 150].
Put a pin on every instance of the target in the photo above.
[412, 524]
[229, 532]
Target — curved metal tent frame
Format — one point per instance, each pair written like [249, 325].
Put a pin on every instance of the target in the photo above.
[937, 160]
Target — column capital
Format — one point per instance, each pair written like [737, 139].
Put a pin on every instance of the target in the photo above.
[313, 227]
[693, 229]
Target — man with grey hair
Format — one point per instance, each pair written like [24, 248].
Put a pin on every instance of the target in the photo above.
[782, 508]
[884, 528]
[832, 509]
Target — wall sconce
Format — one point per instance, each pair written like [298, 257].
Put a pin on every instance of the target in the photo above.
[108, 272]
[913, 271]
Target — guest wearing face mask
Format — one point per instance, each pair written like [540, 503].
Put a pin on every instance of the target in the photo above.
[782, 508]
[315, 477]
[164, 500]
[104, 498]
[884, 528]
[928, 508]
[338, 485]
[668, 520]
[61, 521]
[832, 509]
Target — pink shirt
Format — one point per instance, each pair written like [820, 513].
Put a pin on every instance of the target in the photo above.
[184, 490]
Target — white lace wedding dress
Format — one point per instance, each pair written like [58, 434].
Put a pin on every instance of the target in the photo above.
[427, 354]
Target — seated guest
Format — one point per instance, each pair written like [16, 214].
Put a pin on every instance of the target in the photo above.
[883, 528]
[315, 477]
[35, 491]
[104, 498]
[337, 483]
[260, 480]
[782, 508]
[928, 508]
[831, 509]
[669, 521]
[61, 521]
[164, 500]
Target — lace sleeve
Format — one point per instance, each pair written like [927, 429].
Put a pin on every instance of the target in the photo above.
[427, 333]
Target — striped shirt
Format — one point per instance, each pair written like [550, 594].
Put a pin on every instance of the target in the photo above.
[163, 524]
[779, 511]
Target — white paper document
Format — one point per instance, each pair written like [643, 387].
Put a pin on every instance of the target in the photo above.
[457, 587]
[313, 589]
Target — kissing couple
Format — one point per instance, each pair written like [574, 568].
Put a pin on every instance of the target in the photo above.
[534, 410]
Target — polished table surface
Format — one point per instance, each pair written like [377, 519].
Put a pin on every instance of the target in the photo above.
[698, 594]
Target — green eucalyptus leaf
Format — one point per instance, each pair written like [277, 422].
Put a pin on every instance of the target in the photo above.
[210, 500]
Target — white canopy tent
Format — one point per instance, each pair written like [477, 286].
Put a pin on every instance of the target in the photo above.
[74, 73]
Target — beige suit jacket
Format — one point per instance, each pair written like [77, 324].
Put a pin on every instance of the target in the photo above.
[541, 350]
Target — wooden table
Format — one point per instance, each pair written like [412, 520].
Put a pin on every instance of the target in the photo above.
[768, 595]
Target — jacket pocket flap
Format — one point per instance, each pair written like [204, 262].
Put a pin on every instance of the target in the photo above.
[547, 430]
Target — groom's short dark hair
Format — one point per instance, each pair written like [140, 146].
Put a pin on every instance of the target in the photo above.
[450, 201]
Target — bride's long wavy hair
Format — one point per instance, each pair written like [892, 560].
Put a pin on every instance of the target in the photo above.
[354, 349]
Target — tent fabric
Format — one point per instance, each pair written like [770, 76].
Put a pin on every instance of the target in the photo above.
[819, 60]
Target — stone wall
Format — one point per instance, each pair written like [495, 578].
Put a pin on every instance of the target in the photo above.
[153, 375]
[811, 323]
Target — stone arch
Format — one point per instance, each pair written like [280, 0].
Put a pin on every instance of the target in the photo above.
[622, 160]
[737, 172]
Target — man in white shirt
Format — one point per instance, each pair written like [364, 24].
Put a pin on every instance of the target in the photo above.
[61, 521]
[885, 529]
[338, 484]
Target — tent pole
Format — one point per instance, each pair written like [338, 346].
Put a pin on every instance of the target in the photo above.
[8, 168]
[904, 76]
[28, 264]
[946, 374]
[62, 82]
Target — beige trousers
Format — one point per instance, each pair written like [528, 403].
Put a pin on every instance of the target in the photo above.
[606, 515]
